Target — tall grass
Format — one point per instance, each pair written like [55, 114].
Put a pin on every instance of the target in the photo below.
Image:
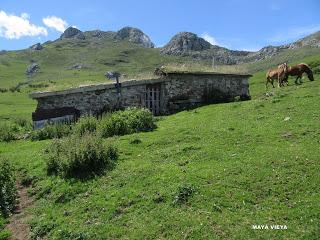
[80, 157]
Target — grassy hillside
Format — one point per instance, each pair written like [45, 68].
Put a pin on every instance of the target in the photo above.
[96, 55]
[241, 162]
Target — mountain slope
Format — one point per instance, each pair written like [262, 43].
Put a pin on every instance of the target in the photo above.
[83, 57]
[244, 164]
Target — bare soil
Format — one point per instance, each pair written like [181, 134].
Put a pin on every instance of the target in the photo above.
[17, 226]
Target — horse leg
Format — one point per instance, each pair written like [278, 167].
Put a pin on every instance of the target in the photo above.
[300, 79]
[296, 81]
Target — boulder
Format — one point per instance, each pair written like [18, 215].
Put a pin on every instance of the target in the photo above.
[32, 69]
[134, 35]
[36, 47]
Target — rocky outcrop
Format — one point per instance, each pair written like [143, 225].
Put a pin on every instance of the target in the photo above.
[32, 69]
[72, 32]
[184, 42]
[36, 47]
[312, 40]
[190, 45]
[134, 35]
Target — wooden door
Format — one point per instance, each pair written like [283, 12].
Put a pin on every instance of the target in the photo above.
[153, 95]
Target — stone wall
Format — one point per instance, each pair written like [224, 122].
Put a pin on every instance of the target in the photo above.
[175, 92]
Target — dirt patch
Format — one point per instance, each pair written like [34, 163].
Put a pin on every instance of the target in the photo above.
[17, 224]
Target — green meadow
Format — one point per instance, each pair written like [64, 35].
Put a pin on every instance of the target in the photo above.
[237, 164]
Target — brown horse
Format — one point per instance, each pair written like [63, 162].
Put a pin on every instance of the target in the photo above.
[280, 74]
[298, 70]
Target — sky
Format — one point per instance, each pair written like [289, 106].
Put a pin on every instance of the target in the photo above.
[242, 25]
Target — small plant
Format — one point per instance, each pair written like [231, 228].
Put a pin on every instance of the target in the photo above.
[126, 122]
[86, 125]
[8, 191]
[182, 194]
[51, 131]
[8, 132]
[23, 123]
[135, 141]
[80, 157]
[3, 90]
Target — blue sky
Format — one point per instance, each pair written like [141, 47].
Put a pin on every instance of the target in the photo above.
[246, 25]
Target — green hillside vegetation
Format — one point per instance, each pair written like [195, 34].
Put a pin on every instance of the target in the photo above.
[208, 173]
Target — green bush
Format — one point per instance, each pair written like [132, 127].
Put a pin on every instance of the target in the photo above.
[126, 122]
[23, 123]
[8, 132]
[182, 194]
[3, 90]
[80, 157]
[86, 125]
[5, 234]
[51, 131]
[8, 191]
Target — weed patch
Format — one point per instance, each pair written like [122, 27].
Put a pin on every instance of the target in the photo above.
[84, 157]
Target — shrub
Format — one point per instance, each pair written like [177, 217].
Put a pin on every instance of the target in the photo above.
[86, 125]
[182, 194]
[8, 132]
[23, 123]
[80, 157]
[3, 90]
[51, 131]
[126, 122]
[8, 191]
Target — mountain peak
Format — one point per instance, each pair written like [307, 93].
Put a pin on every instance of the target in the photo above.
[183, 42]
[134, 35]
[72, 32]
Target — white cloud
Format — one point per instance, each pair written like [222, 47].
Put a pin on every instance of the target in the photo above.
[293, 34]
[55, 22]
[25, 15]
[15, 27]
[206, 36]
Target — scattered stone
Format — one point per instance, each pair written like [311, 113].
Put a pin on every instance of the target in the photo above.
[36, 47]
[160, 71]
[269, 94]
[66, 213]
[286, 119]
[134, 35]
[76, 67]
[32, 69]
[287, 135]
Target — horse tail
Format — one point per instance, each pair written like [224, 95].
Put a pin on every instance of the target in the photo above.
[308, 71]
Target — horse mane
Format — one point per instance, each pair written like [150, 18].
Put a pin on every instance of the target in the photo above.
[307, 70]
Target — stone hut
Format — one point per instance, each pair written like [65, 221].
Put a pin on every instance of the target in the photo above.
[174, 92]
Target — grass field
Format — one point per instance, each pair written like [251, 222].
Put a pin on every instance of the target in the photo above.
[245, 163]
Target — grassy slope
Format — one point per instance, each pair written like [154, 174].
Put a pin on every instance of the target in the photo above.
[244, 171]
